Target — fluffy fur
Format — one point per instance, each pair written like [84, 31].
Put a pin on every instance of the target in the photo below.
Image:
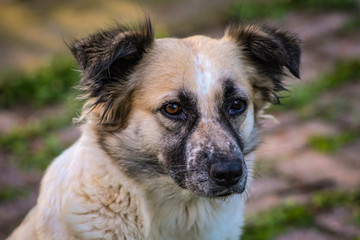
[169, 129]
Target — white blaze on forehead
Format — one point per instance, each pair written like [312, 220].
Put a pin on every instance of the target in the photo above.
[204, 78]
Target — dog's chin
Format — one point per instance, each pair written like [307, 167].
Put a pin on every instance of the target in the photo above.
[220, 194]
[205, 187]
[216, 191]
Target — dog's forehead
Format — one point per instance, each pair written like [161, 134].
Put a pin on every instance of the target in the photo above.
[198, 64]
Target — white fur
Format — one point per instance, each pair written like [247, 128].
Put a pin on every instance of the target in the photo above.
[203, 73]
[84, 195]
[248, 125]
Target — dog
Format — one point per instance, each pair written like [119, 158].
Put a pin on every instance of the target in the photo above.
[169, 130]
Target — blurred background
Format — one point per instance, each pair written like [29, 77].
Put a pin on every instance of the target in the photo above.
[307, 184]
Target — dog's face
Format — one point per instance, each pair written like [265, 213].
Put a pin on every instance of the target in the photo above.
[184, 108]
[195, 92]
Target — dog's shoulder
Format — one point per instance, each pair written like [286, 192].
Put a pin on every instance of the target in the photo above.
[95, 196]
[82, 195]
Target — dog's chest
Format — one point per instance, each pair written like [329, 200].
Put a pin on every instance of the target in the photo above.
[204, 219]
[110, 206]
[109, 214]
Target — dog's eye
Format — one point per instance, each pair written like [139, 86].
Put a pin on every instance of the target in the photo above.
[172, 108]
[237, 107]
[173, 111]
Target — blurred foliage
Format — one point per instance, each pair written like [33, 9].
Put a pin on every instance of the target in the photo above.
[9, 193]
[259, 9]
[330, 110]
[40, 159]
[19, 140]
[330, 144]
[351, 25]
[268, 224]
[301, 95]
[46, 85]
[356, 215]
[330, 199]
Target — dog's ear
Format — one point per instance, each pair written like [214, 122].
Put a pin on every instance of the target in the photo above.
[106, 60]
[269, 51]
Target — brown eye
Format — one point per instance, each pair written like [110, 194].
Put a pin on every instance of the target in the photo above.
[237, 107]
[172, 108]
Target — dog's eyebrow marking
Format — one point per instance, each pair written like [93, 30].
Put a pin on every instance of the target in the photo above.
[230, 90]
[188, 100]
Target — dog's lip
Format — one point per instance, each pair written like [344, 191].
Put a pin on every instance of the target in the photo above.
[224, 195]
[228, 192]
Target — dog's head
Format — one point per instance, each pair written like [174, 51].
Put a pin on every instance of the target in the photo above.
[184, 108]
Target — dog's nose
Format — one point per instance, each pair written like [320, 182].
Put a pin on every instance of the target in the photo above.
[226, 174]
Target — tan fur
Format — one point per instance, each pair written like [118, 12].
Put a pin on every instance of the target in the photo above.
[95, 190]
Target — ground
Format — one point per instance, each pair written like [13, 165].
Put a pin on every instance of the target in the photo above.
[308, 167]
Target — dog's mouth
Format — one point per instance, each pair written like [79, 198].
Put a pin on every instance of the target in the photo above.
[212, 190]
[214, 185]
[227, 193]
[224, 195]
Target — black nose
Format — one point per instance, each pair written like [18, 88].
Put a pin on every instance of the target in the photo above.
[226, 174]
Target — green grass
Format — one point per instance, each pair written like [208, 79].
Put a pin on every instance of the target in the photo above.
[302, 95]
[268, 224]
[9, 193]
[18, 141]
[51, 84]
[331, 110]
[353, 24]
[322, 4]
[46, 85]
[52, 147]
[329, 199]
[259, 9]
[253, 10]
[31, 130]
[356, 215]
[330, 144]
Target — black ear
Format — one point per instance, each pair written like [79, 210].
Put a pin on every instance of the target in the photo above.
[269, 50]
[107, 59]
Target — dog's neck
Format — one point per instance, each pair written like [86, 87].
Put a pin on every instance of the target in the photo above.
[181, 214]
[163, 208]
